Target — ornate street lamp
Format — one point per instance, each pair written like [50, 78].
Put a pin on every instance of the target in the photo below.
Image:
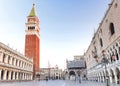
[104, 61]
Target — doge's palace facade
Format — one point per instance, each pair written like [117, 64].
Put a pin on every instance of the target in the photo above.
[107, 37]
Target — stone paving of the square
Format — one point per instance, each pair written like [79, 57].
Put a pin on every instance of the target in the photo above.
[55, 83]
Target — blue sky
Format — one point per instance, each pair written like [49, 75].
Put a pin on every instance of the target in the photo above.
[66, 26]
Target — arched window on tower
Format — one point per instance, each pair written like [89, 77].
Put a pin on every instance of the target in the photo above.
[112, 29]
[31, 27]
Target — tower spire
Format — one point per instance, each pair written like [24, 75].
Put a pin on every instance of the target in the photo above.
[32, 12]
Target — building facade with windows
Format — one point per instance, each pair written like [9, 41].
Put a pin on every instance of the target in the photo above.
[55, 73]
[107, 37]
[14, 66]
[51, 73]
[75, 68]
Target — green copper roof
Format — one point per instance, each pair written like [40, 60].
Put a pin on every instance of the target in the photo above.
[32, 12]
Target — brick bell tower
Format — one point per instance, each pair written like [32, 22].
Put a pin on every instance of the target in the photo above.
[32, 39]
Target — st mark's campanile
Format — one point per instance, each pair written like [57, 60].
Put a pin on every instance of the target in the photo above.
[32, 39]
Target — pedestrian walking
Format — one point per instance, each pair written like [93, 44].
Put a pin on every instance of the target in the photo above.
[79, 78]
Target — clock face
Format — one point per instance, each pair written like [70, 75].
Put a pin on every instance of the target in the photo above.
[30, 20]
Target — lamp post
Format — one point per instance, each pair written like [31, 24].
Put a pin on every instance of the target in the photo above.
[104, 61]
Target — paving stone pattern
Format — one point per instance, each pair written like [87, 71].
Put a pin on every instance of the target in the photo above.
[55, 83]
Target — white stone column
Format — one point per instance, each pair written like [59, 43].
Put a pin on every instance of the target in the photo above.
[20, 76]
[17, 76]
[5, 73]
[27, 76]
[1, 56]
[13, 75]
[31, 76]
[103, 79]
[111, 79]
[23, 77]
[9, 75]
[115, 79]
[98, 79]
